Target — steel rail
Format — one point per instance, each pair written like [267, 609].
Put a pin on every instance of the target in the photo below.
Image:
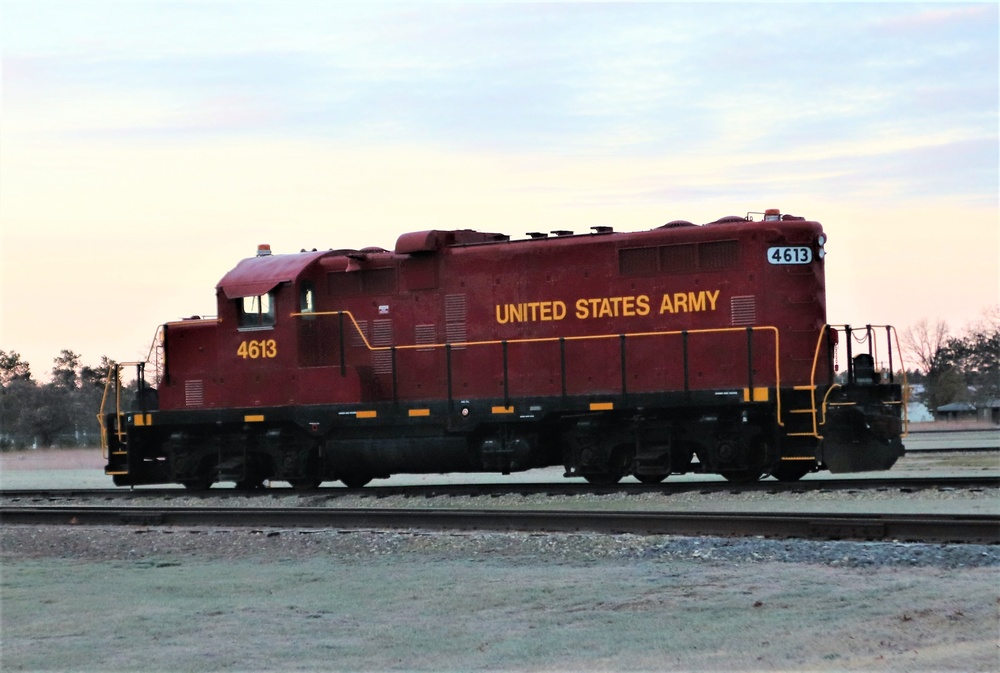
[550, 489]
[936, 528]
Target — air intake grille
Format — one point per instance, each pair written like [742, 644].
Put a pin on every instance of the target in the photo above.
[356, 336]
[382, 336]
[425, 334]
[744, 310]
[454, 316]
[194, 393]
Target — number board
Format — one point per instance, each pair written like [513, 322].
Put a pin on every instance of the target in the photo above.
[788, 254]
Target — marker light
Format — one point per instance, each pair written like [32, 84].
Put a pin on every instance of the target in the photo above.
[263, 250]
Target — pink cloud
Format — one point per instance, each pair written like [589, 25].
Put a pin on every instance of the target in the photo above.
[930, 19]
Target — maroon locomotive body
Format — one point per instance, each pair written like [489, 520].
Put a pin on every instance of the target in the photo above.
[683, 348]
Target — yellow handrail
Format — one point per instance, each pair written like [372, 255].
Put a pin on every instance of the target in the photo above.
[104, 399]
[812, 377]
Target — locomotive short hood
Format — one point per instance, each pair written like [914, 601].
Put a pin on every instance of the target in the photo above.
[261, 274]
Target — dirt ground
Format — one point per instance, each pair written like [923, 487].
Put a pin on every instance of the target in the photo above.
[161, 599]
[52, 459]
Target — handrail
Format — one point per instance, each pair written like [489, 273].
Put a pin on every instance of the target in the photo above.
[587, 337]
[100, 413]
[114, 378]
[892, 334]
[812, 384]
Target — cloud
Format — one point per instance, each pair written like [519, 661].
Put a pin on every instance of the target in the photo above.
[623, 80]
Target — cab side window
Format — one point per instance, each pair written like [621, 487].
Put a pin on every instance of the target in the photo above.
[307, 298]
[256, 312]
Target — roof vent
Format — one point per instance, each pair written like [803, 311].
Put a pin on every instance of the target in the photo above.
[602, 229]
[562, 232]
[729, 219]
[536, 234]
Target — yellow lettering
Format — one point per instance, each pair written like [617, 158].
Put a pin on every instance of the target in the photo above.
[642, 305]
[265, 348]
[712, 296]
[603, 307]
[696, 302]
[680, 302]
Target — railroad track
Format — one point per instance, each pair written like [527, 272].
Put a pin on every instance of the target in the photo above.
[943, 528]
[903, 484]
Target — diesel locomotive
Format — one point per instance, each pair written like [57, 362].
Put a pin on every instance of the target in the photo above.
[684, 348]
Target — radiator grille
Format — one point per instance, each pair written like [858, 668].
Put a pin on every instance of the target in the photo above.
[638, 261]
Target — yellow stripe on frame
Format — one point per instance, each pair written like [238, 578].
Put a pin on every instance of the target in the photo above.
[602, 406]
[253, 418]
[759, 395]
[141, 420]
[366, 414]
[503, 410]
[798, 457]
[419, 412]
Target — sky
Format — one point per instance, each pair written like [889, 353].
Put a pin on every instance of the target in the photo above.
[147, 147]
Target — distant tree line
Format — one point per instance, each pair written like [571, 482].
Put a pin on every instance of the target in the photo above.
[62, 412]
[963, 368]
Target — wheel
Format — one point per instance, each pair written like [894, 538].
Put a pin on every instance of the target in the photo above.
[355, 480]
[197, 484]
[249, 485]
[650, 478]
[304, 484]
[757, 456]
[619, 464]
[789, 471]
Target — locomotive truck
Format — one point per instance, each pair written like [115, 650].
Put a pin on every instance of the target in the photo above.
[684, 348]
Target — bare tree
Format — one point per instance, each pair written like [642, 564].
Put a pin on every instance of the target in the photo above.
[923, 342]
